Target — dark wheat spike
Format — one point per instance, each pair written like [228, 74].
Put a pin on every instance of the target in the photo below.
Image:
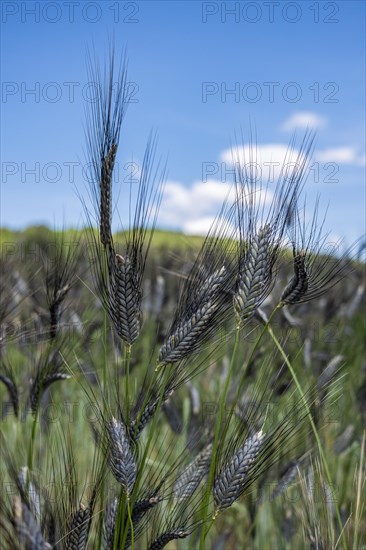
[185, 338]
[8, 379]
[120, 457]
[59, 273]
[173, 416]
[192, 476]
[165, 538]
[79, 529]
[28, 531]
[125, 300]
[190, 331]
[110, 524]
[104, 121]
[40, 385]
[140, 421]
[212, 283]
[194, 326]
[137, 425]
[297, 287]
[321, 260]
[254, 275]
[142, 506]
[107, 165]
[229, 483]
[55, 316]
[55, 309]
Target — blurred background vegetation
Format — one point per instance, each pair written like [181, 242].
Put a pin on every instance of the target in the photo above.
[322, 338]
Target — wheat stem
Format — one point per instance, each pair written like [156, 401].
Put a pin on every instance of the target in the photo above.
[232, 408]
[315, 431]
[211, 474]
[246, 366]
[121, 514]
[360, 481]
[31, 451]
[105, 329]
[105, 392]
[143, 460]
[131, 524]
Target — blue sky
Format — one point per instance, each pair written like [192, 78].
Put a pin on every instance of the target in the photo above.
[201, 71]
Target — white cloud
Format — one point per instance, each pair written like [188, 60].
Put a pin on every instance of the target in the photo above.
[342, 155]
[205, 224]
[265, 162]
[303, 119]
[198, 226]
[362, 160]
[183, 206]
[257, 153]
[194, 209]
[200, 198]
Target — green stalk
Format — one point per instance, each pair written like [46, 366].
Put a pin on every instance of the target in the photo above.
[143, 460]
[33, 436]
[216, 438]
[242, 378]
[105, 330]
[30, 452]
[359, 506]
[105, 393]
[121, 511]
[131, 525]
[315, 431]
[232, 408]
[150, 436]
